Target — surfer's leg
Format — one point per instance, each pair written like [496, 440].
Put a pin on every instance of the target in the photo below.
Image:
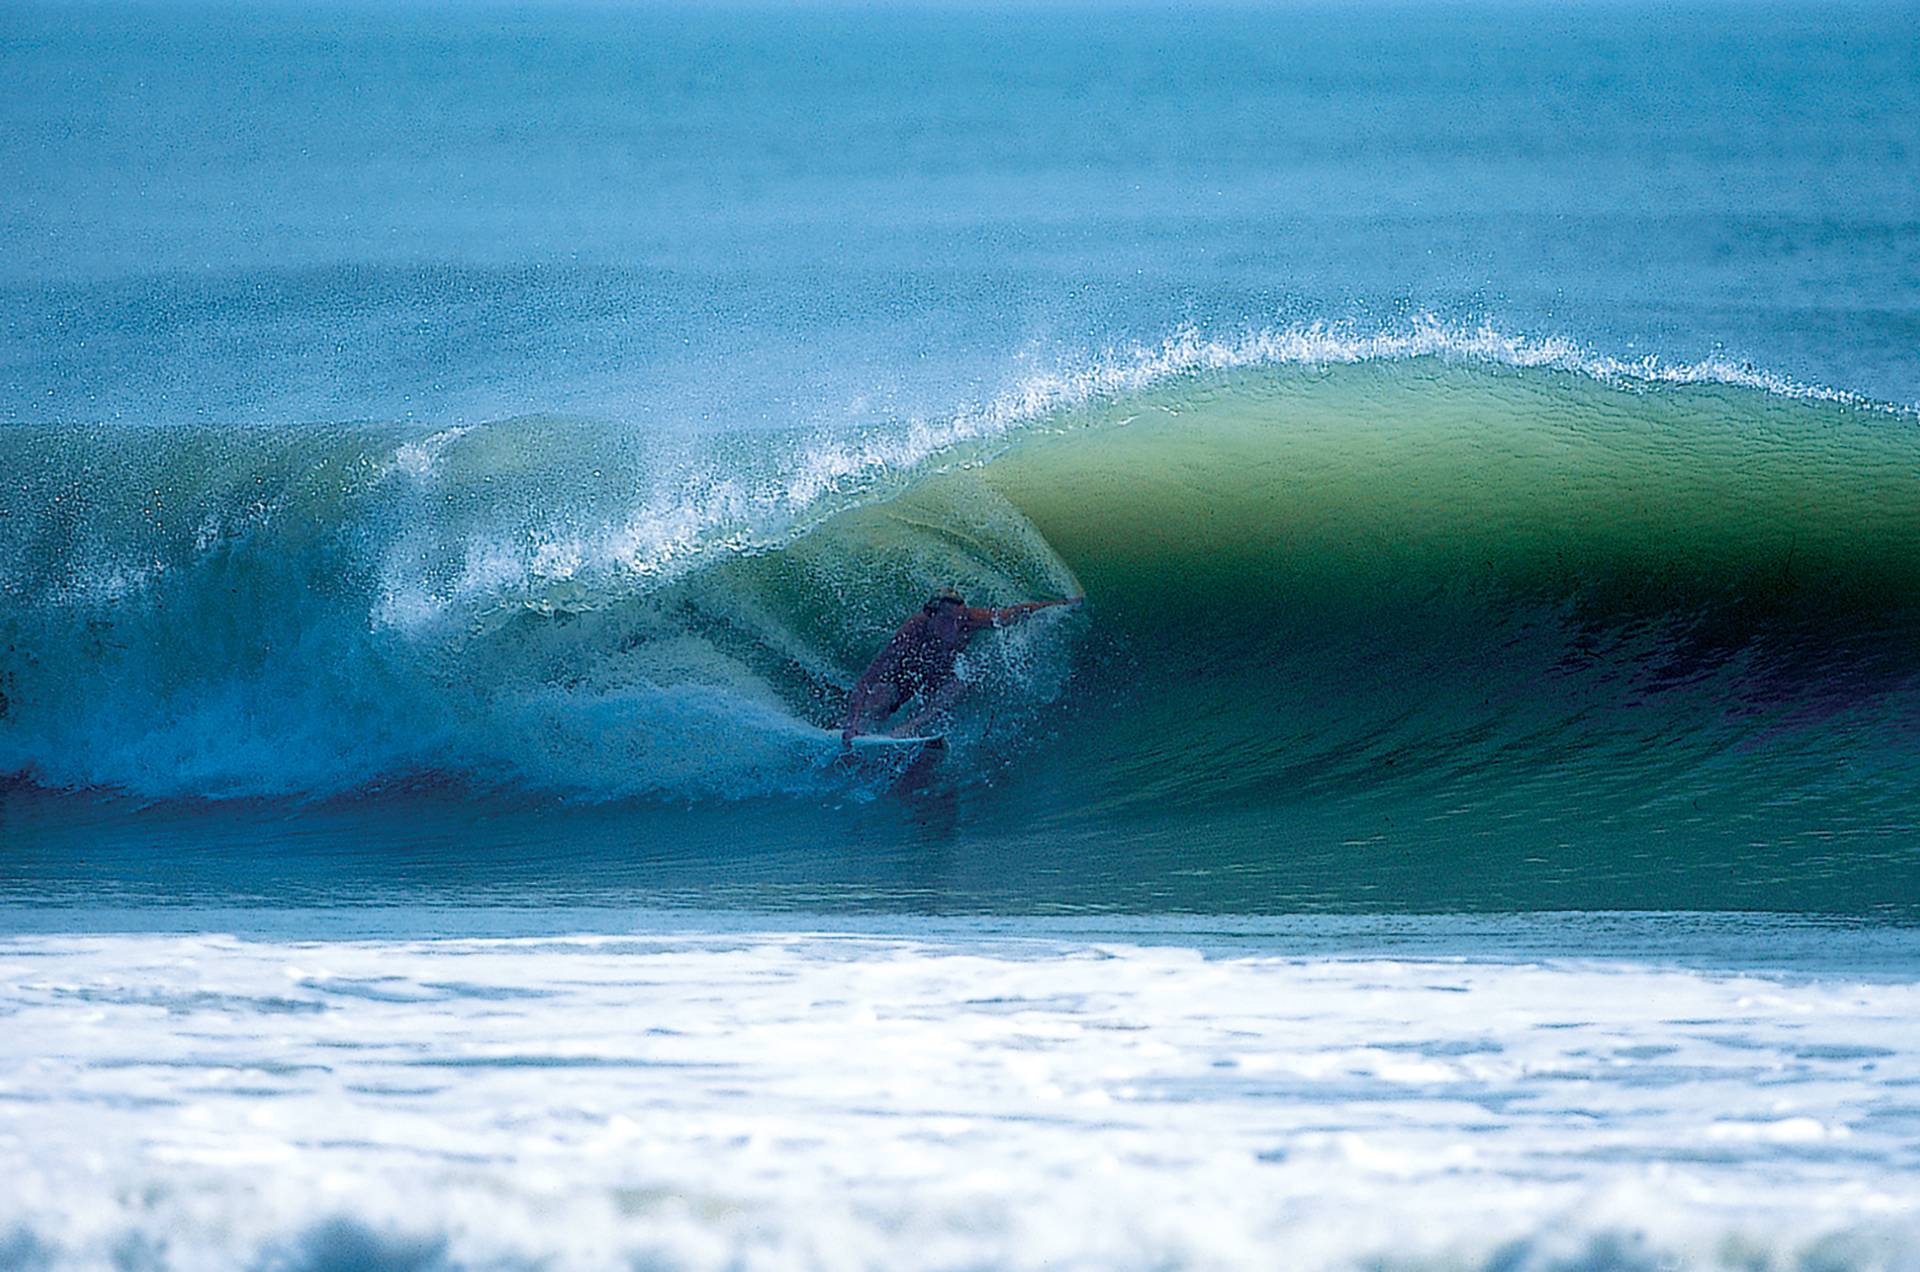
[885, 699]
[931, 709]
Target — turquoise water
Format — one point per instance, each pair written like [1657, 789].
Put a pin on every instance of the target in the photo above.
[454, 459]
[1416, 632]
[1484, 436]
[676, 217]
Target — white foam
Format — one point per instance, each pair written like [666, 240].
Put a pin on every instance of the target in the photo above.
[787, 1100]
[420, 459]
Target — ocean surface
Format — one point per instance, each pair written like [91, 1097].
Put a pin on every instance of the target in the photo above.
[455, 457]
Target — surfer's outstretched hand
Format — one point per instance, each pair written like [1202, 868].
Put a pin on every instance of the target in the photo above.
[1014, 613]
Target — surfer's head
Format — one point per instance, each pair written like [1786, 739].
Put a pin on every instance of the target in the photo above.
[940, 600]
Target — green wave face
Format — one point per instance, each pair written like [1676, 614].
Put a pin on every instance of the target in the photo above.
[1419, 633]
[1501, 633]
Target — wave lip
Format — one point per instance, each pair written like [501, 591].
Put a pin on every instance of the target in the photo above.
[1122, 372]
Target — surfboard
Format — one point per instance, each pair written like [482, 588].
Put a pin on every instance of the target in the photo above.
[866, 740]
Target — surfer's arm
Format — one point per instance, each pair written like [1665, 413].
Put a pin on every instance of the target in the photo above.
[868, 690]
[1014, 613]
[860, 698]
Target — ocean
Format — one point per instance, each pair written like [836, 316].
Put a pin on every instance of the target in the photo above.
[455, 459]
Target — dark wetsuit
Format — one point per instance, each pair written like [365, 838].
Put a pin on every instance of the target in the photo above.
[923, 667]
[919, 661]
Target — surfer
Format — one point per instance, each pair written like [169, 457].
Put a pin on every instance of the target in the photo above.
[919, 662]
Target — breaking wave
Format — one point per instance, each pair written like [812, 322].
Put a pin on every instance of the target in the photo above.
[1521, 579]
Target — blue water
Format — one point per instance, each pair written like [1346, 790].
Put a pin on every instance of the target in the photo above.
[455, 457]
[689, 217]
[513, 426]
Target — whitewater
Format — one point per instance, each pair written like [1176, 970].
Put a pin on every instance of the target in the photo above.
[965, 1096]
[455, 460]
